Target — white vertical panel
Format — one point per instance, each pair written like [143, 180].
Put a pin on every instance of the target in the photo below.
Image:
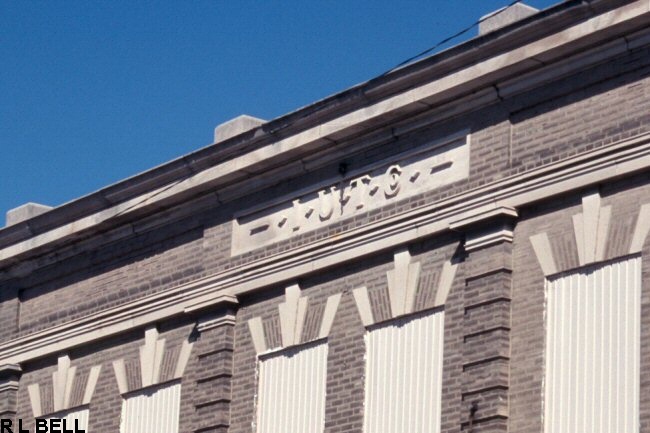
[80, 415]
[152, 410]
[292, 388]
[593, 319]
[404, 376]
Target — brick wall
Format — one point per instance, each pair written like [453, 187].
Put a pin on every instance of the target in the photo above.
[106, 404]
[588, 110]
[346, 365]
[583, 111]
[580, 112]
[110, 276]
[528, 335]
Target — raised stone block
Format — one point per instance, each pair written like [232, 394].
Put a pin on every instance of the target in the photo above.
[25, 212]
[236, 126]
[501, 18]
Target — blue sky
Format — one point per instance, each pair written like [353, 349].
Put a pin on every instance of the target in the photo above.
[93, 92]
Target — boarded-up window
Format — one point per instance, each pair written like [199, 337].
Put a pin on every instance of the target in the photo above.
[78, 415]
[404, 375]
[592, 349]
[152, 410]
[291, 396]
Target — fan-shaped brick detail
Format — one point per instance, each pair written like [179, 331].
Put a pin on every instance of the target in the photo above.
[64, 383]
[593, 237]
[403, 285]
[293, 313]
[155, 364]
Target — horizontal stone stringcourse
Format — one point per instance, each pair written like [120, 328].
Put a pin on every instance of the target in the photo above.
[621, 158]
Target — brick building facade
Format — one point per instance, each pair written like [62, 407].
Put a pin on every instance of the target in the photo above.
[458, 245]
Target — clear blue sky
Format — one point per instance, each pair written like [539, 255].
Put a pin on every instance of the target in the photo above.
[92, 92]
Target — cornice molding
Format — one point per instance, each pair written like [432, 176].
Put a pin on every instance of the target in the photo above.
[10, 377]
[464, 81]
[579, 171]
[492, 227]
[492, 238]
[215, 321]
[479, 218]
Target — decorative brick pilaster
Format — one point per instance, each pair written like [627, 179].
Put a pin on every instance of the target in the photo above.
[9, 377]
[213, 371]
[486, 342]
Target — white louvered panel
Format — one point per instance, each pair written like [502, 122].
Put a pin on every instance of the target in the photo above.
[592, 350]
[292, 389]
[81, 415]
[404, 376]
[154, 410]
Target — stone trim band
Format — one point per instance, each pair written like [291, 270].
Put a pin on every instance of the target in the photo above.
[579, 171]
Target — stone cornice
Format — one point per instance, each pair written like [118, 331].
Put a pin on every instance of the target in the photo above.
[589, 168]
[9, 377]
[488, 228]
[212, 322]
[463, 81]
[501, 212]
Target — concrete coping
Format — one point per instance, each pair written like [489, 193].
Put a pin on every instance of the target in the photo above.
[505, 16]
[25, 212]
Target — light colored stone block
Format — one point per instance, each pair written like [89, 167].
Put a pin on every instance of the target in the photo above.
[328, 316]
[505, 16]
[93, 376]
[641, 229]
[444, 284]
[434, 164]
[34, 391]
[544, 254]
[151, 356]
[120, 375]
[236, 126]
[603, 232]
[578, 230]
[363, 305]
[61, 381]
[25, 212]
[257, 333]
[403, 283]
[591, 215]
[292, 316]
[183, 359]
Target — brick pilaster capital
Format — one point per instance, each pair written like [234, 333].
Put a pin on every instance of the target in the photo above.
[487, 227]
[214, 312]
[214, 319]
[9, 377]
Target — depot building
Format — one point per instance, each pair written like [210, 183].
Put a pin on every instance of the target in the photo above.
[458, 245]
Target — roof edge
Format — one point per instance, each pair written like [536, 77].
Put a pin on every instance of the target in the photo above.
[566, 14]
